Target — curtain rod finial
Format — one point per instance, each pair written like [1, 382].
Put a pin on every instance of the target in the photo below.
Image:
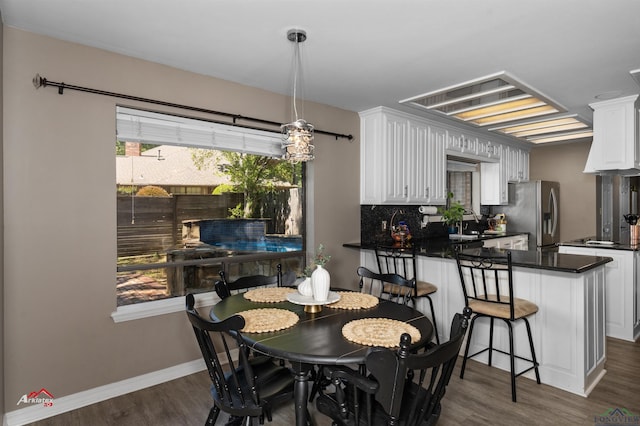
[39, 81]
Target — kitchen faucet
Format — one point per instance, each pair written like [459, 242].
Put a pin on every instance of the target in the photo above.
[475, 216]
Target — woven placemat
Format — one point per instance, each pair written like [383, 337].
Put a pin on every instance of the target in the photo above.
[269, 294]
[354, 300]
[267, 319]
[378, 332]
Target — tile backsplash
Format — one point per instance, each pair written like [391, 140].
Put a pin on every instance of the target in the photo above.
[372, 216]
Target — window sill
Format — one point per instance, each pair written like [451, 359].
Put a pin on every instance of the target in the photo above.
[160, 307]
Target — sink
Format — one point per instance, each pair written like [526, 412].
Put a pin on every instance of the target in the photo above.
[463, 236]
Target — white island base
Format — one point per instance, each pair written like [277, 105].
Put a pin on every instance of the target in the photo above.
[568, 329]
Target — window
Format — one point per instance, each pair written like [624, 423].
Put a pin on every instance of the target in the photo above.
[195, 198]
[460, 184]
[463, 182]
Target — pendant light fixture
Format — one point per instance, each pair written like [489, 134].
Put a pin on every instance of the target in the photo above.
[298, 135]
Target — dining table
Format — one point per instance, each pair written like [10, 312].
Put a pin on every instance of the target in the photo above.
[316, 339]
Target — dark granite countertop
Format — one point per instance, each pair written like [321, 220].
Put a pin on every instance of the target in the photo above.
[548, 260]
[599, 244]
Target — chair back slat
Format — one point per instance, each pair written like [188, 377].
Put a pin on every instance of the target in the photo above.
[488, 279]
[225, 288]
[396, 260]
[402, 387]
[411, 385]
[386, 286]
[233, 380]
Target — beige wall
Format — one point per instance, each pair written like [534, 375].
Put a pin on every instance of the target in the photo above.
[1, 241]
[60, 253]
[564, 163]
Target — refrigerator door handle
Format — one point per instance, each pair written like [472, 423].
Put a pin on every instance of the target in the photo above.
[553, 200]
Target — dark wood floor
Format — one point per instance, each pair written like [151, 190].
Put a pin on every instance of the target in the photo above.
[482, 398]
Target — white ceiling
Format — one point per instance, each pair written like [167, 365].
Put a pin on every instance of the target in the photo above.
[364, 53]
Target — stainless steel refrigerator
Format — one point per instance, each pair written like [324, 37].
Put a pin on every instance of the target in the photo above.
[534, 208]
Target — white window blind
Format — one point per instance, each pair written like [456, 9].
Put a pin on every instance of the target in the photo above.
[163, 129]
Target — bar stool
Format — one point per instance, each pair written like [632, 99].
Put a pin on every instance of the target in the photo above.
[487, 284]
[402, 261]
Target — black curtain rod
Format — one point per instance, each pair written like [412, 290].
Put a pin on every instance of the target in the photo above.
[39, 81]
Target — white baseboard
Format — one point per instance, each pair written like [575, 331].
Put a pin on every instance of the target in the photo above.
[67, 403]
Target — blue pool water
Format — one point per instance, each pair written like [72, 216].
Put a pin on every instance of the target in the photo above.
[265, 244]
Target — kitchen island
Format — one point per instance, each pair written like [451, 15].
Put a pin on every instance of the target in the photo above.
[622, 293]
[568, 329]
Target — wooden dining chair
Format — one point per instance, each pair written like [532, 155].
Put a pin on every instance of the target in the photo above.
[241, 386]
[225, 288]
[402, 261]
[386, 286]
[401, 387]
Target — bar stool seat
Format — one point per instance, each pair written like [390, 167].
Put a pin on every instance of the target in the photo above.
[522, 308]
[423, 288]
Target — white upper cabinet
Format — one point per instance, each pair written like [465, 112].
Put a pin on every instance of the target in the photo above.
[428, 177]
[437, 169]
[615, 145]
[517, 164]
[493, 182]
[512, 166]
[403, 159]
[396, 162]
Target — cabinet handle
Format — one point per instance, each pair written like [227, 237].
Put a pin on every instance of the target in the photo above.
[406, 191]
[426, 192]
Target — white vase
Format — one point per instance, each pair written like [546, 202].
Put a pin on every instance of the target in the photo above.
[304, 288]
[320, 283]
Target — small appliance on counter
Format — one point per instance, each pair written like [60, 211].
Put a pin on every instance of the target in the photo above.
[634, 227]
[497, 224]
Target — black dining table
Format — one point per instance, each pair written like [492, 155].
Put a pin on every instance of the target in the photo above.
[316, 339]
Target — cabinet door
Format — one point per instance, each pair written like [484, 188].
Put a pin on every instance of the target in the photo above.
[517, 166]
[437, 166]
[396, 163]
[614, 127]
[520, 242]
[619, 288]
[523, 166]
[419, 164]
[427, 177]
[371, 157]
[515, 242]
[493, 183]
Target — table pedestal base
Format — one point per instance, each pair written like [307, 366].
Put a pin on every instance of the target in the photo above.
[313, 309]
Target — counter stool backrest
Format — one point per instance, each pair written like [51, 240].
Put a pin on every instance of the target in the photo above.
[402, 261]
[396, 260]
[488, 280]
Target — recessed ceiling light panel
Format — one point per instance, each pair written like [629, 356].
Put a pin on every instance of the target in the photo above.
[501, 101]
